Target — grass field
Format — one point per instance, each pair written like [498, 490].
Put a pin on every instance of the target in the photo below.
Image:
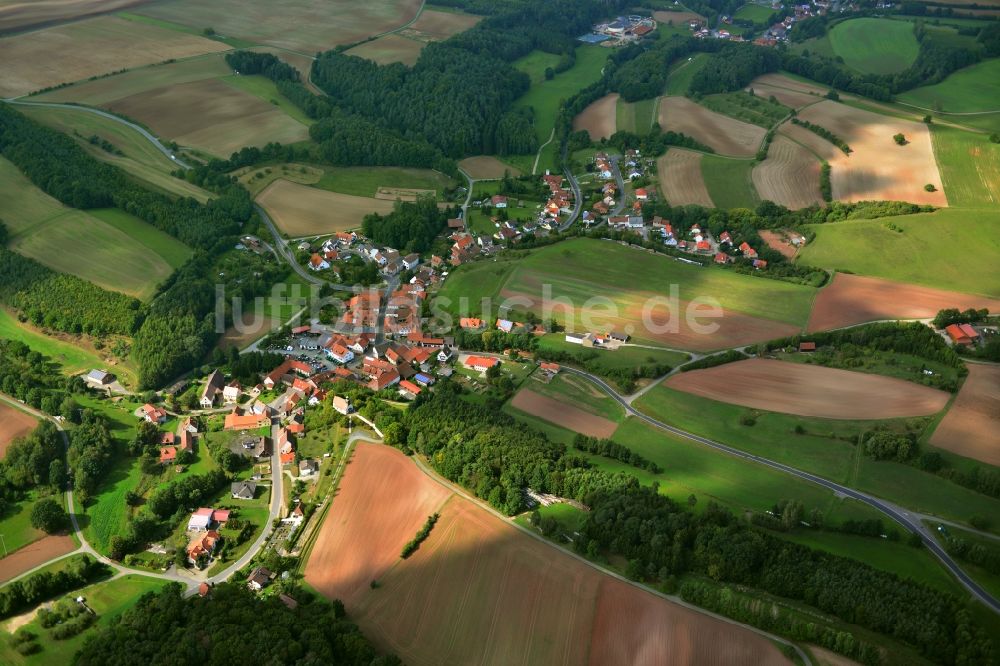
[756, 13]
[578, 393]
[970, 89]
[389, 49]
[108, 599]
[111, 249]
[636, 117]
[365, 181]
[623, 357]
[932, 249]
[15, 523]
[755, 109]
[729, 182]
[970, 166]
[874, 46]
[266, 90]
[988, 580]
[141, 159]
[681, 73]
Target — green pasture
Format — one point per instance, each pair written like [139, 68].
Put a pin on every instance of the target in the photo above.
[72, 359]
[970, 167]
[729, 182]
[757, 13]
[623, 357]
[972, 89]
[365, 181]
[875, 46]
[15, 522]
[637, 117]
[266, 89]
[952, 248]
[988, 580]
[886, 363]
[753, 109]
[682, 72]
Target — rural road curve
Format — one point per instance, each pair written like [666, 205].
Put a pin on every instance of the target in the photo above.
[911, 521]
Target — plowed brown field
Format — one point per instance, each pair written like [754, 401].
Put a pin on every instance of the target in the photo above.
[562, 414]
[877, 168]
[13, 424]
[971, 427]
[600, 119]
[855, 299]
[725, 135]
[679, 173]
[481, 591]
[810, 390]
[789, 176]
[34, 554]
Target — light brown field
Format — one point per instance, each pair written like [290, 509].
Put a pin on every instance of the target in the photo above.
[971, 426]
[727, 136]
[389, 49]
[306, 26]
[855, 299]
[600, 119]
[563, 414]
[34, 554]
[211, 116]
[479, 590]
[679, 173]
[679, 18]
[437, 25]
[825, 657]
[777, 241]
[252, 329]
[795, 99]
[300, 210]
[22, 14]
[789, 176]
[484, 167]
[810, 390]
[13, 424]
[878, 169]
[401, 193]
[788, 83]
[77, 51]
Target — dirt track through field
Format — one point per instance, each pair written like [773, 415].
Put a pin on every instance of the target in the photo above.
[77, 51]
[300, 210]
[971, 428]
[480, 591]
[878, 169]
[34, 554]
[600, 119]
[679, 173]
[789, 176]
[563, 414]
[855, 299]
[810, 390]
[13, 424]
[727, 136]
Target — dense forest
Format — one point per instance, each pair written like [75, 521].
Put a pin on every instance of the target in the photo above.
[230, 626]
[496, 457]
[411, 226]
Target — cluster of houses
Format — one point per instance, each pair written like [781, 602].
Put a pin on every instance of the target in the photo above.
[778, 33]
[345, 245]
[592, 339]
[621, 30]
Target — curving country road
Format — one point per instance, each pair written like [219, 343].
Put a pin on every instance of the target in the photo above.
[912, 521]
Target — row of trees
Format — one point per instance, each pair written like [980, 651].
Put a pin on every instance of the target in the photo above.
[27, 592]
[612, 449]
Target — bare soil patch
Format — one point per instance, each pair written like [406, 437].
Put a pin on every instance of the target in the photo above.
[777, 242]
[789, 176]
[484, 167]
[629, 629]
[212, 116]
[811, 390]
[77, 51]
[679, 173]
[252, 329]
[878, 168]
[825, 657]
[855, 299]
[22, 14]
[13, 424]
[300, 210]
[971, 425]
[382, 501]
[727, 136]
[34, 554]
[600, 119]
[563, 414]
[480, 591]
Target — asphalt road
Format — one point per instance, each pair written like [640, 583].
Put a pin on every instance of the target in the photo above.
[911, 521]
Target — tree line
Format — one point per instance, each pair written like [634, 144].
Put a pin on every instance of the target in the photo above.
[411, 226]
[27, 592]
[413, 544]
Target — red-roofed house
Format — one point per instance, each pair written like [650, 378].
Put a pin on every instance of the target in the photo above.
[722, 258]
[481, 363]
[724, 237]
[499, 201]
[641, 194]
[168, 454]
[962, 334]
[153, 414]
[409, 387]
[748, 251]
[236, 421]
[202, 546]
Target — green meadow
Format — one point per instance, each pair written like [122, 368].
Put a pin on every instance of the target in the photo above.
[73, 359]
[682, 72]
[874, 46]
[365, 181]
[728, 182]
[970, 166]
[970, 89]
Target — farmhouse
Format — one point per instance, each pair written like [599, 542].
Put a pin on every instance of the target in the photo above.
[499, 201]
[99, 378]
[153, 414]
[471, 323]
[204, 518]
[235, 421]
[480, 363]
[202, 546]
[962, 334]
[748, 251]
[341, 404]
[231, 393]
[245, 490]
[259, 579]
[318, 263]
[168, 455]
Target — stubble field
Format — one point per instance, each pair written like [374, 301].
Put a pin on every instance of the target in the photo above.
[810, 390]
[679, 173]
[300, 210]
[727, 136]
[389, 49]
[789, 176]
[970, 427]
[77, 51]
[599, 119]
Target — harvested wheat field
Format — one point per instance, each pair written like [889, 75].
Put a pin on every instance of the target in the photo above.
[435, 25]
[727, 136]
[855, 299]
[788, 91]
[77, 51]
[13, 424]
[380, 504]
[389, 49]
[878, 169]
[484, 167]
[810, 390]
[679, 173]
[502, 596]
[300, 210]
[563, 414]
[600, 119]
[971, 428]
[211, 116]
[21, 14]
[789, 176]
[35, 553]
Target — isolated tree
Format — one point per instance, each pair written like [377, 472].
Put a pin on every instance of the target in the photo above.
[900, 139]
[48, 516]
